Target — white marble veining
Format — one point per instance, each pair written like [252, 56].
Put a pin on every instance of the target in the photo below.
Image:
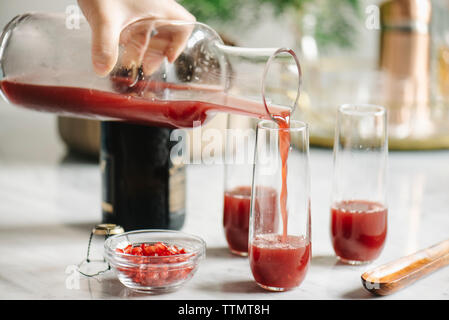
[49, 203]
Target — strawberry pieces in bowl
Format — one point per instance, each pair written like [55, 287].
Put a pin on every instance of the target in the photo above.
[154, 260]
[151, 250]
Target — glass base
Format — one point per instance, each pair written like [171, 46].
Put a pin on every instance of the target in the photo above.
[239, 253]
[354, 262]
[155, 290]
[275, 289]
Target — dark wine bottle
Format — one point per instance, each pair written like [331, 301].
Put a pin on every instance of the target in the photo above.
[141, 187]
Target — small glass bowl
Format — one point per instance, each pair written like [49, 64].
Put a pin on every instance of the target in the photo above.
[154, 274]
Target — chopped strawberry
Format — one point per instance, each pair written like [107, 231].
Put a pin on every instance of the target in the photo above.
[128, 249]
[149, 250]
[137, 251]
[149, 275]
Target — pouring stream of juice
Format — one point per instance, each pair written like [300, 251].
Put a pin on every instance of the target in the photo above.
[283, 120]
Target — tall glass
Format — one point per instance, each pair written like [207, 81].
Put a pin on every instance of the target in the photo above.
[279, 239]
[238, 174]
[359, 205]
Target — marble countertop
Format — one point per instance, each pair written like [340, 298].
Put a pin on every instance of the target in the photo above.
[49, 202]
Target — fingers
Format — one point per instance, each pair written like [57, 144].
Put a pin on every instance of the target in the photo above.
[178, 12]
[169, 41]
[155, 53]
[105, 34]
[182, 34]
[105, 41]
[140, 48]
[134, 42]
[178, 42]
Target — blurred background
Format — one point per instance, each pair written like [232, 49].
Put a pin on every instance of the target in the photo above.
[348, 55]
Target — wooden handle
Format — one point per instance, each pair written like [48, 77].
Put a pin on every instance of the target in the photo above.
[400, 273]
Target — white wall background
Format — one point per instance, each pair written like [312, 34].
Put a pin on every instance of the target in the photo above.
[10, 8]
[268, 32]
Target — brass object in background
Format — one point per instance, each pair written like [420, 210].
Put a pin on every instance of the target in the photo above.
[443, 71]
[405, 60]
[80, 135]
[107, 229]
[409, 76]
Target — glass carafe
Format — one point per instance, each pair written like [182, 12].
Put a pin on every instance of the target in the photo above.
[168, 73]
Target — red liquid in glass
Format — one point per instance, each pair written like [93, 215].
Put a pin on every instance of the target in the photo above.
[127, 104]
[278, 263]
[236, 212]
[358, 229]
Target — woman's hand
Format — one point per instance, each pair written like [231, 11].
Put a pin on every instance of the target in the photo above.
[107, 19]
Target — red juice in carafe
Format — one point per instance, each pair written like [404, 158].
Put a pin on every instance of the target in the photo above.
[92, 103]
[278, 263]
[134, 104]
[358, 230]
[236, 212]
